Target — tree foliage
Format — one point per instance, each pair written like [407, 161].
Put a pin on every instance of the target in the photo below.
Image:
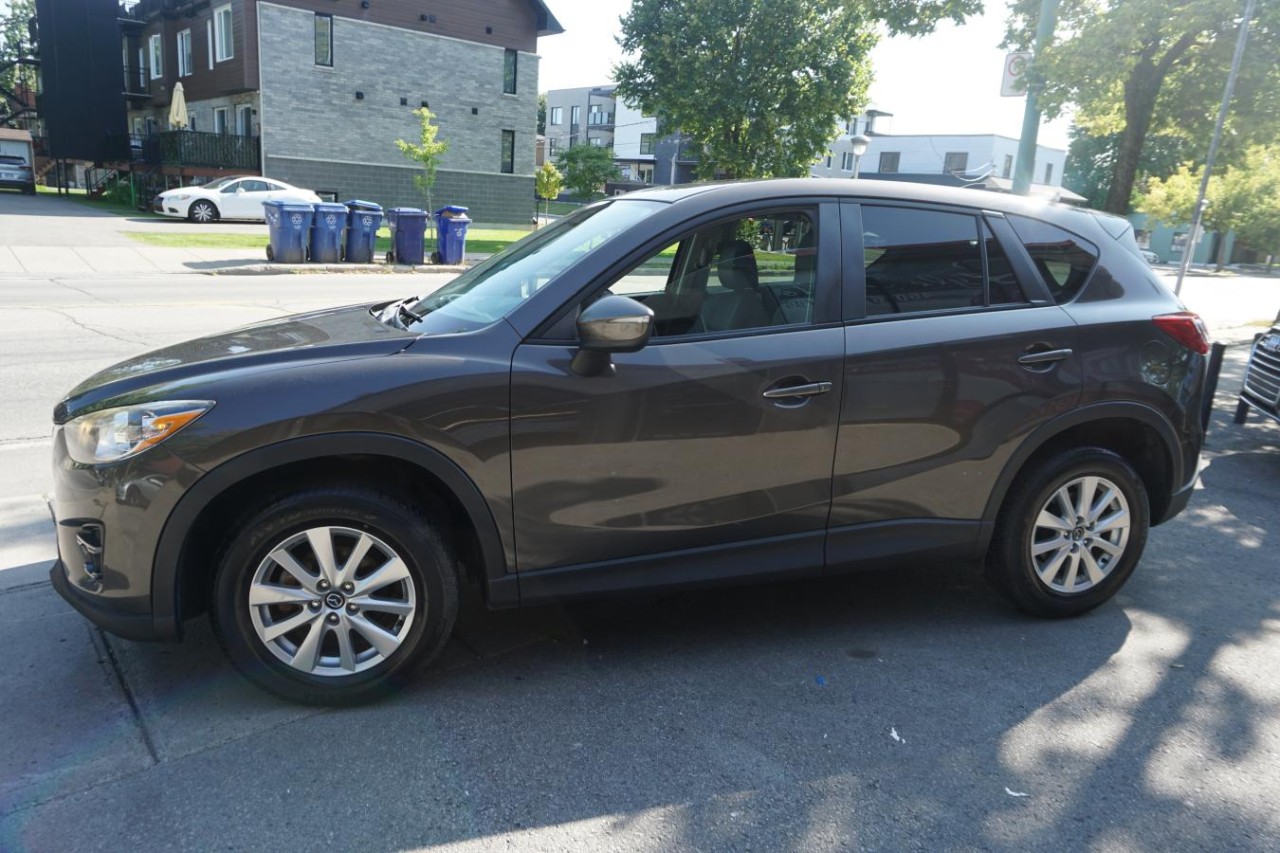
[1091, 161]
[426, 152]
[547, 183]
[1244, 198]
[15, 42]
[542, 115]
[1134, 69]
[587, 168]
[773, 77]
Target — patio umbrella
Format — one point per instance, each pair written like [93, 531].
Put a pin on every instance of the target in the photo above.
[178, 109]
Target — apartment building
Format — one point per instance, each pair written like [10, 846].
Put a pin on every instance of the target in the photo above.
[315, 92]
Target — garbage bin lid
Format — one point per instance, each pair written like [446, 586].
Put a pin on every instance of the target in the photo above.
[408, 211]
[329, 207]
[452, 210]
[363, 205]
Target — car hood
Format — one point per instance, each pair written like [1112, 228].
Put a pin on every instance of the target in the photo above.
[337, 333]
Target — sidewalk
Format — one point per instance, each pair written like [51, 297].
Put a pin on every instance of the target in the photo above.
[25, 261]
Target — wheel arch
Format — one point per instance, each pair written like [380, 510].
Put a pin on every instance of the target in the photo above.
[1138, 433]
[187, 545]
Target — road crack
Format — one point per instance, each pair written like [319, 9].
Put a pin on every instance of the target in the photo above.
[92, 329]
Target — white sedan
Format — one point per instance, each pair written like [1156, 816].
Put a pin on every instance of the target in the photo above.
[229, 198]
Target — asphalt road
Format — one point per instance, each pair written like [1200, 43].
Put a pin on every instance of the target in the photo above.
[910, 710]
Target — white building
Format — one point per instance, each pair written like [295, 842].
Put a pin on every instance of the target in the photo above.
[984, 160]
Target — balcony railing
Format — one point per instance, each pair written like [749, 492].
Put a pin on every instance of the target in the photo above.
[213, 150]
[600, 119]
[135, 83]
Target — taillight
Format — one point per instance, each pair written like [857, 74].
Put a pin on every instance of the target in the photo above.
[1186, 328]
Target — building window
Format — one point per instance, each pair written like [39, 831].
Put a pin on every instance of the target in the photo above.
[553, 146]
[596, 142]
[557, 115]
[828, 161]
[646, 143]
[509, 72]
[221, 120]
[244, 120]
[208, 35]
[1008, 166]
[184, 53]
[156, 52]
[956, 161]
[142, 69]
[324, 40]
[889, 161]
[508, 152]
[223, 47]
[645, 174]
[575, 115]
[846, 161]
[1048, 173]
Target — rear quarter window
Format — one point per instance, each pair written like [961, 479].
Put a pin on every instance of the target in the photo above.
[1063, 260]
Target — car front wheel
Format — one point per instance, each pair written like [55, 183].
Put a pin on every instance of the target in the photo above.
[334, 596]
[203, 212]
[1072, 530]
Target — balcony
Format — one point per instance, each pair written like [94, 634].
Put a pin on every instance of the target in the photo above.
[204, 150]
[601, 120]
[136, 85]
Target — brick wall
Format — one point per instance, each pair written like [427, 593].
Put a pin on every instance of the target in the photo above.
[493, 199]
[310, 113]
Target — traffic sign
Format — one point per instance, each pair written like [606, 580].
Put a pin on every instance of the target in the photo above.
[1014, 83]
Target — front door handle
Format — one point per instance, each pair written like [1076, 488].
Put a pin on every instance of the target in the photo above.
[1044, 356]
[813, 389]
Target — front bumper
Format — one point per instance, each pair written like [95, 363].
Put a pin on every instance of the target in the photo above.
[108, 524]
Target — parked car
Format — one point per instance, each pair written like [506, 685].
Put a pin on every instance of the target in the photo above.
[16, 174]
[1261, 388]
[1150, 256]
[636, 396]
[238, 197]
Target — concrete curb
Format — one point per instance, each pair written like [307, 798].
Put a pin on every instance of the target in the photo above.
[311, 269]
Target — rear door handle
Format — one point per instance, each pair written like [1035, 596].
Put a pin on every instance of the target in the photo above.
[813, 389]
[1044, 357]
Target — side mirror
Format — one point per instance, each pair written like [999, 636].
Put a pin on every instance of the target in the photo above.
[239, 190]
[609, 325]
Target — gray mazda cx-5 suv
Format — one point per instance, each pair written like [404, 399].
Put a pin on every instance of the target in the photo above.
[779, 379]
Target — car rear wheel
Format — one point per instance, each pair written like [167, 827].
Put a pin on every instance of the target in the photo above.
[1072, 530]
[334, 596]
[203, 212]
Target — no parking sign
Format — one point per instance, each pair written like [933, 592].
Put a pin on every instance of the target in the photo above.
[1014, 82]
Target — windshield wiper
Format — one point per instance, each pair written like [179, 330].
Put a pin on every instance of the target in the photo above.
[402, 312]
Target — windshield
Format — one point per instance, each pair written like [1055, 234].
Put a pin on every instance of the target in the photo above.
[494, 288]
[221, 182]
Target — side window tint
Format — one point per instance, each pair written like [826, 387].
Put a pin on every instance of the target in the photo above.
[752, 273]
[1063, 260]
[920, 260]
[1002, 284]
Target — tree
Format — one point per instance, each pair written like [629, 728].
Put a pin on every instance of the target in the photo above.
[1244, 198]
[1134, 68]
[773, 77]
[542, 115]
[426, 153]
[586, 168]
[15, 43]
[1091, 161]
[547, 183]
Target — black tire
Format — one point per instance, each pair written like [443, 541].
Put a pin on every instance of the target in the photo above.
[208, 212]
[432, 574]
[271, 253]
[1011, 567]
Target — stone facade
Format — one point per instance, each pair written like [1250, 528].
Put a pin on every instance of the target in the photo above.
[318, 133]
[505, 199]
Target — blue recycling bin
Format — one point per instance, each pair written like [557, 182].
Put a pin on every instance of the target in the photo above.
[408, 227]
[288, 229]
[363, 220]
[329, 222]
[451, 234]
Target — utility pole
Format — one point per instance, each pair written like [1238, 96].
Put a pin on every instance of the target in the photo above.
[1031, 114]
[1197, 212]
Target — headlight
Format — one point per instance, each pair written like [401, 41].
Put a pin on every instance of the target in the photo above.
[114, 434]
[180, 198]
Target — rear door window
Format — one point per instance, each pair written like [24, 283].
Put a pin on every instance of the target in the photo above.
[1063, 260]
[921, 260]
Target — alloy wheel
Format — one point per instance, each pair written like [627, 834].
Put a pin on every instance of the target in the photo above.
[332, 601]
[1080, 534]
[202, 212]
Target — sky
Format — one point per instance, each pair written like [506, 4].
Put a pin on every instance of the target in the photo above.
[947, 82]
